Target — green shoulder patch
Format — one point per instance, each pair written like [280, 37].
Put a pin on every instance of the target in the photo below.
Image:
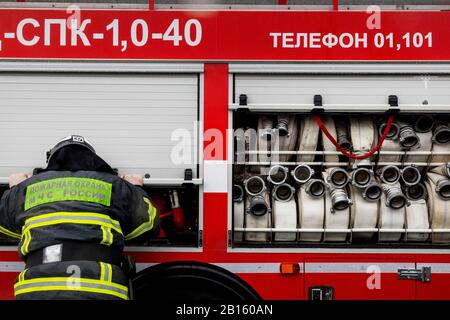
[65, 189]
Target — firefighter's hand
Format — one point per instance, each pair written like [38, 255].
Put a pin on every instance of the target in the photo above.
[17, 178]
[135, 179]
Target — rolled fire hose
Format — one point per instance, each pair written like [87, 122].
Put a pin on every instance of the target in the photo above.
[443, 169]
[286, 139]
[311, 203]
[284, 212]
[239, 210]
[251, 144]
[265, 139]
[423, 131]
[343, 137]
[327, 144]
[440, 139]
[302, 173]
[337, 211]
[392, 212]
[439, 213]
[407, 136]
[277, 174]
[239, 147]
[362, 133]
[308, 138]
[390, 144]
[417, 212]
[257, 208]
[441, 185]
[417, 218]
[363, 213]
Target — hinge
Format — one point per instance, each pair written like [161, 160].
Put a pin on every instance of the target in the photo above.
[422, 275]
[230, 242]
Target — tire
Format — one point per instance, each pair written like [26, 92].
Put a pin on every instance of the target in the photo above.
[190, 281]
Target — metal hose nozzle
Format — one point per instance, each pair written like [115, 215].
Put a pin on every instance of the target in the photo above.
[441, 134]
[315, 188]
[443, 189]
[339, 199]
[283, 192]
[395, 198]
[410, 175]
[283, 125]
[389, 174]
[408, 137]
[302, 173]
[415, 192]
[361, 177]
[393, 131]
[238, 193]
[338, 178]
[372, 192]
[258, 206]
[424, 123]
[277, 174]
[254, 185]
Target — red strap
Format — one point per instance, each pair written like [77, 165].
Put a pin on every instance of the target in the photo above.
[348, 154]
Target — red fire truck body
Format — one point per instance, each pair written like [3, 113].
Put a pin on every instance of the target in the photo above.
[221, 48]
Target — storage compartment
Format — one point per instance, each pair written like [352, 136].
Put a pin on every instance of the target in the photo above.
[141, 123]
[312, 170]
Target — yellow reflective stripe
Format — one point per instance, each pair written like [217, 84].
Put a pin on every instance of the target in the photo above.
[109, 267]
[25, 242]
[69, 217]
[144, 227]
[105, 272]
[22, 275]
[107, 236]
[74, 288]
[59, 279]
[10, 233]
[102, 271]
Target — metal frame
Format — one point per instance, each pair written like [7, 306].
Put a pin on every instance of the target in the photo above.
[214, 7]
[335, 69]
[130, 67]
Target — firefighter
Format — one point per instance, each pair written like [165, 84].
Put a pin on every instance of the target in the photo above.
[72, 219]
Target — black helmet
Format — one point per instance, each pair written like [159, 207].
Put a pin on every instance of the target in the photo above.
[67, 141]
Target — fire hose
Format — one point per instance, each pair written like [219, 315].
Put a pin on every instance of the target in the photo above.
[345, 152]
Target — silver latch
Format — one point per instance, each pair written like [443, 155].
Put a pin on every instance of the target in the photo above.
[423, 275]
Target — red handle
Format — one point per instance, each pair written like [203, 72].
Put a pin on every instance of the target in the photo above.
[345, 152]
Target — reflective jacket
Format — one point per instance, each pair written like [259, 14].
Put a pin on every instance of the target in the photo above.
[86, 206]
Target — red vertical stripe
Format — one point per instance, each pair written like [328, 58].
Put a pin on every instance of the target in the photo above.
[216, 108]
[335, 5]
[282, 2]
[151, 4]
[215, 205]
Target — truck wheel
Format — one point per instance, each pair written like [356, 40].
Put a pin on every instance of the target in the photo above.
[191, 281]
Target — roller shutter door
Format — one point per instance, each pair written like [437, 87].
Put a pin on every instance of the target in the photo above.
[129, 118]
[414, 92]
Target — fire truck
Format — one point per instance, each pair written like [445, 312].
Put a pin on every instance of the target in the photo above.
[294, 150]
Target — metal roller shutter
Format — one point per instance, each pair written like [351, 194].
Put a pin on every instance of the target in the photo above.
[343, 91]
[129, 118]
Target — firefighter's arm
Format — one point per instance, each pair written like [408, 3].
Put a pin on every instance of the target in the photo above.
[7, 222]
[143, 218]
